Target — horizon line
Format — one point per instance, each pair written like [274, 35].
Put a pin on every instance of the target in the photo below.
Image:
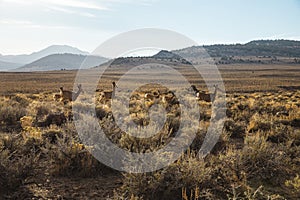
[210, 44]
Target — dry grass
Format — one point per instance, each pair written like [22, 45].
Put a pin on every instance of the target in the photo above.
[237, 78]
[257, 156]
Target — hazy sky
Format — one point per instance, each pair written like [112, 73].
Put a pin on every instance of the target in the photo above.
[30, 25]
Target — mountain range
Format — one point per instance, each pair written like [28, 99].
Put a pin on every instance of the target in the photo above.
[5, 66]
[55, 57]
[54, 49]
[254, 52]
[257, 51]
[59, 57]
[64, 61]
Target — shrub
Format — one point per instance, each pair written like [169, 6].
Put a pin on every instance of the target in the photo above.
[68, 157]
[294, 184]
[16, 163]
[264, 162]
[10, 114]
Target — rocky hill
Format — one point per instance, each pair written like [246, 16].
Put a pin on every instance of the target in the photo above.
[259, 51]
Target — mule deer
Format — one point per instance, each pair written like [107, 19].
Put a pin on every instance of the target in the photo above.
[66, 95]
[201, 95]
[109, 94]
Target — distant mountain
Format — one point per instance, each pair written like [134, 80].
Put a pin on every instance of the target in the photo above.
[283, 48]
[166, 54]
[54, 49]
[58, 57]
[5, 66]
[170, 56]
[62, 61]
[258, 51]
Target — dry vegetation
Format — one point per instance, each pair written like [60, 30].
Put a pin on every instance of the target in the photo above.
[256, 157]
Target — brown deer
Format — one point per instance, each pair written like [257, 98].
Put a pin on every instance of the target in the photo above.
[201, 95]
[107, 95]
[66, 95]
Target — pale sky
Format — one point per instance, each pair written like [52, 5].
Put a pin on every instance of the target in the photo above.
[31, 25]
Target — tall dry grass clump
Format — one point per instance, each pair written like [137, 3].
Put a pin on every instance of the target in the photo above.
[10, 113]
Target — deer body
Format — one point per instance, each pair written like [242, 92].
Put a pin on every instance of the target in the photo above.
[107, 95]
[66, 95]
[201, 95]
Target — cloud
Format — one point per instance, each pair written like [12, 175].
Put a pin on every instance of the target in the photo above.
[17, 2]
[14, 22]
[138, 2]
[75, 4]
[29, 24]
[64, 3]
[75, 7]
[69, 11]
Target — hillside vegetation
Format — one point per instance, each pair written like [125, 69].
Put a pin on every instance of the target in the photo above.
[254, 52]
[260, 51]
[259, 48]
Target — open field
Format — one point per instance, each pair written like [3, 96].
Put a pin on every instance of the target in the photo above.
[243, 78]
[256, 157]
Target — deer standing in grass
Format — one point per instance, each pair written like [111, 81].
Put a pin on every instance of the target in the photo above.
[107, 95]
[66, 95]
[201, 95]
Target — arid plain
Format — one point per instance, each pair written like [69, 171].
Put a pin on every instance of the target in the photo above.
[256, 157]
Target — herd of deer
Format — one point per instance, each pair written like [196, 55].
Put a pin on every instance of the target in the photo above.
[67, 96]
